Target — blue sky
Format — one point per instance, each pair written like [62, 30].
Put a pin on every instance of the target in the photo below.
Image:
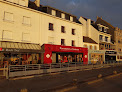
[110, 10]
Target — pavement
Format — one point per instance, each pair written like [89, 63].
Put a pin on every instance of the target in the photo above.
[113, 84]
[46, 83]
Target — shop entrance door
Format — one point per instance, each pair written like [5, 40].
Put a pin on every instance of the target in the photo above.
[53, 57]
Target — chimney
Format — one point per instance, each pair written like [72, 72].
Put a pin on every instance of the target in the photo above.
[116, 28]
[37, 2]
[97, 17]
[88, 29]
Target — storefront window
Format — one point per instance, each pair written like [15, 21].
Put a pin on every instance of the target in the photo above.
[15, 59]
[117, 57]
[31, 58]
[120, 57]
[1, 60]
[69, 57]
[6, 59]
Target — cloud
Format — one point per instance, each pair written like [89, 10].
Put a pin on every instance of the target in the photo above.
[110, 10]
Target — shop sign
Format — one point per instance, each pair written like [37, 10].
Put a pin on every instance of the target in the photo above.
[48, 55]
[85, 56]
[69, 49]
[96, 51]
[110, 52]
[11, 50]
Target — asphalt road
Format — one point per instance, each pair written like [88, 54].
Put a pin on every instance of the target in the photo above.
[106, 85]
[38, 84]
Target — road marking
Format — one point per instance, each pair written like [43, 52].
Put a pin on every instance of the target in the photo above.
[67, 89]
[22, 78]
[98, 80]
[113, 76]
[54, 73]
[94, 81]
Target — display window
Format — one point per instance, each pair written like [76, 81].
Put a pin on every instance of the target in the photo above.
[19, 59]
[69, 57]
[96, 58]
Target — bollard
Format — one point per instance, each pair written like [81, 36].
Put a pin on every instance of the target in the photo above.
[23, 90]
[99, 76]
[114, 72]
[75, 81]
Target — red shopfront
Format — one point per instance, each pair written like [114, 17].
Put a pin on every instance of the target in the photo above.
[59, 53]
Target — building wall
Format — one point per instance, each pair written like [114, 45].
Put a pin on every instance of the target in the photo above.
[84, 31]
[90, 44]
[110, 30]
[96, 56]
[21, 2]
[118, 42]
[105, 35]
[89, 30]
[16, 25]
[105, 45]
[118, 39]
[57, 35]
[37, 31]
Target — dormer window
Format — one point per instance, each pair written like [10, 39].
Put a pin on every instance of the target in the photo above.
[67, 17]
[105, 30]
[101, 37]
[58, 13]
[100, 28]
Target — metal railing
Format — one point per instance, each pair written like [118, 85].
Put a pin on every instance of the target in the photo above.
[35, 69]
[4, 72]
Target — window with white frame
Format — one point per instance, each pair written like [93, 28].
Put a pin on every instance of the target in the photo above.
[95, 47]
[7, 35]
[8, 16]
[85, 46]
[51, 40]
[25, 37]
[26, 20]
[90, 47]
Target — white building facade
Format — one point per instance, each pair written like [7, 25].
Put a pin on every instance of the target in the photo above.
[25, 28]
[22, 24]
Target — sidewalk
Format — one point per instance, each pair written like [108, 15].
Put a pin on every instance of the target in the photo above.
[42, 83]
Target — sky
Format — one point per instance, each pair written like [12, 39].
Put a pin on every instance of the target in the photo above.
[109, 10]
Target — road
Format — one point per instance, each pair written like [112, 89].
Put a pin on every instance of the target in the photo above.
[38, 84]
[106, 85]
